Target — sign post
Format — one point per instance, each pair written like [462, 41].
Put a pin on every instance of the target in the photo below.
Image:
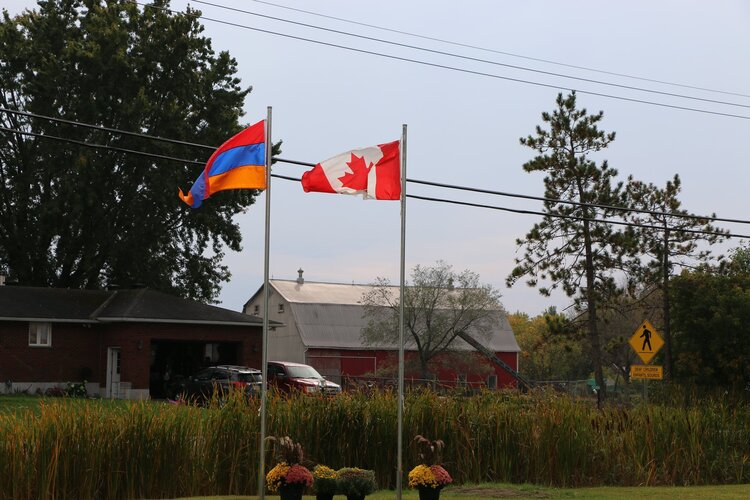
[646, 342]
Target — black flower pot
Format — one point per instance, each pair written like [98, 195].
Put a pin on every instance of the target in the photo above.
[355, 497]
[429, 493]
[291, 491]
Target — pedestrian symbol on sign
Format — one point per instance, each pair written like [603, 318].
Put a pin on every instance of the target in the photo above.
[646, 336]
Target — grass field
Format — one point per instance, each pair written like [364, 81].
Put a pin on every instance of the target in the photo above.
[10, 404]
[531, 492]
[90, 449]
[16, 403]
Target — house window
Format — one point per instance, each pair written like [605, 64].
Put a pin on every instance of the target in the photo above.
[256, 311]
[281, 308]
[40, 334]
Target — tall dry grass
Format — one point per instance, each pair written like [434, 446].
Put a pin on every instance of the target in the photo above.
[90, 450]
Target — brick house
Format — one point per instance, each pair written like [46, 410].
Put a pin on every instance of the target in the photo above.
[321, 325]
[122, 343]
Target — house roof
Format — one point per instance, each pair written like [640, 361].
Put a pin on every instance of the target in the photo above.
[330, 315]
[21, 303]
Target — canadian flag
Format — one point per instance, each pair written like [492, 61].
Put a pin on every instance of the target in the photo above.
[373, 172]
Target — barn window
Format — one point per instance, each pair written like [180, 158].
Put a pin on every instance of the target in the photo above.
[40, 334]
[281, 308]
[256, 310]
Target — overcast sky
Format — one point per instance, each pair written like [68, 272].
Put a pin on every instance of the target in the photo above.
[463, 128]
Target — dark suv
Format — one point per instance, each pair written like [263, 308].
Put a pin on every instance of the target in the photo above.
[287, 376]
[219, 379]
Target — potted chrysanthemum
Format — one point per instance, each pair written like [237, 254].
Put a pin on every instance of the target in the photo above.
[324, 482]
[429, 477]
[289, 477]
[355, 483]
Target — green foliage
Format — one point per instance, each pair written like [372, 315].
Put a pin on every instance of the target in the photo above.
[87, 449]
[76, 389]
[324, 480]
[439, 305]
[548, 350]
[665, 243]
[570, 249]
[352, 481]
[79, 217]
[711, 312]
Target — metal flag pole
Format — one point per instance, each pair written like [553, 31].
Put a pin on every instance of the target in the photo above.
[264, 348]
[399, 462]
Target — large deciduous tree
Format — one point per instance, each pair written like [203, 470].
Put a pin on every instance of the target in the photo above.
[668, 236]
[439, 304]
[82, 217]
[711, 319]
[546, 354]
[570, 248]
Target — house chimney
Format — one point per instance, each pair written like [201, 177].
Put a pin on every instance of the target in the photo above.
[300, 279]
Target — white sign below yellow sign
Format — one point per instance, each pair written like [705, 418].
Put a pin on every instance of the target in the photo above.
[646, 342]
[646, 372]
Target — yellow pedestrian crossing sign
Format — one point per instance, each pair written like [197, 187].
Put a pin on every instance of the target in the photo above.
[646, 342]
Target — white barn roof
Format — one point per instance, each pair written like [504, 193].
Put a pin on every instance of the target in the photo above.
[330, 315]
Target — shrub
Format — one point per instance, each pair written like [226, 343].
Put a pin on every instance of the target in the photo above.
[352, 481]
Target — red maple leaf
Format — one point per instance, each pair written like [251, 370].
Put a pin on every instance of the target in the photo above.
[357, 178]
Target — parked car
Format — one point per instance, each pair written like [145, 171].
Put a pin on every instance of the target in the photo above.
[219, 379]
[287, 376]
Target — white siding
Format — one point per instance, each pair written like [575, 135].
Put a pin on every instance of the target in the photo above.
[284, 342]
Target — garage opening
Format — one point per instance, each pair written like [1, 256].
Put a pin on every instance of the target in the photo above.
[173, 360]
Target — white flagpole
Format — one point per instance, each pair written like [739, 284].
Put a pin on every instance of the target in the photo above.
[399, 466]
[264, 367]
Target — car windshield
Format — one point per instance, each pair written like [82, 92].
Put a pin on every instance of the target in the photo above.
[250, 377]
[303, 372]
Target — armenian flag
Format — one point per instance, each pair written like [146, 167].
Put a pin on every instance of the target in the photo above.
[239, 163]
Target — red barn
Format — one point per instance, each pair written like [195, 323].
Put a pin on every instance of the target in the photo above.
[123, 344]
[321, 325]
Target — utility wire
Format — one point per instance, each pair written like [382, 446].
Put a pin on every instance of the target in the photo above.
[308, 164]
[557, 216]
[485, 49]
[575, 217]
[576, 203]
[417, 197]
[474, 59]
[105, 129]
[99, 146]
[451, 68]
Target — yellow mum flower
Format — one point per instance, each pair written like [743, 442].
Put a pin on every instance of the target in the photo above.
[275, 477]
[421, 475]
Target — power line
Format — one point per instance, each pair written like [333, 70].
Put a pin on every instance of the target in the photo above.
[105, 129]
[99, 146]
[557, 216]
[474, 59]
[417, 197]
[576, 217]
[575, 203]
[308, 164]
[485, 49]
[452, 68]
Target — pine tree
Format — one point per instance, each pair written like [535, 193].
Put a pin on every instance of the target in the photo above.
[570, 248]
